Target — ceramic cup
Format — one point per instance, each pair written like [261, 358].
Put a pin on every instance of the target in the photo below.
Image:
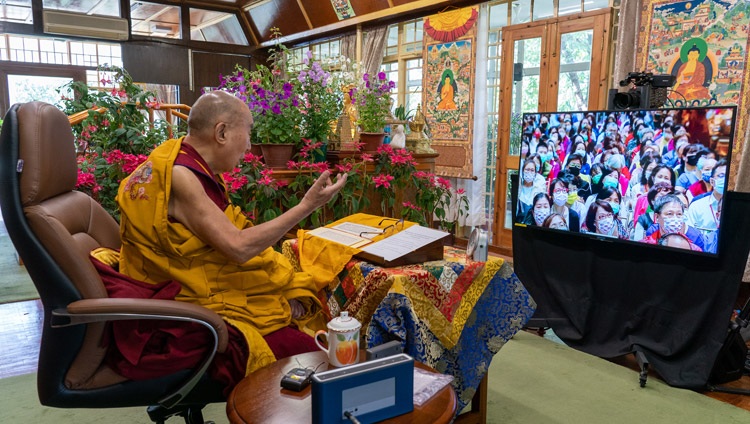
[343, 340]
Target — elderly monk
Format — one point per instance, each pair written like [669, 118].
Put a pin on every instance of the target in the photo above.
[177, 224]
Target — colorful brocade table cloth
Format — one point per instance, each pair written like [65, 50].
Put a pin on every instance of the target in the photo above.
[451, 314]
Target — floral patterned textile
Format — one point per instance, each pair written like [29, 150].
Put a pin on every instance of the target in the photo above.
[449, 314]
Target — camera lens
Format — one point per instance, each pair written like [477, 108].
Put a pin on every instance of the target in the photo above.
[628, 100]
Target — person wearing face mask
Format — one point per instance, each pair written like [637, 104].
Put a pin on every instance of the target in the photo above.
[549, 166]
[691, 172]
[660, 174]
[705, 166]
[600, 219]
[614, 199]
[558, 192]
[531, 184]
[616, 161]
[705, 213]
[644, 221]
[669, 217]
[556, 222]
[540, 210]
[639, 180]
[578, 146]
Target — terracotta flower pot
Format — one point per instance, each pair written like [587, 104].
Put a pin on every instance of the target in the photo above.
[371, 141]
[277, 155]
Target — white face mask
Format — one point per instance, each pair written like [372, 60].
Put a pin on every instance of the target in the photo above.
[605, 225]
[581, 152]
[540, 215]
[560, 198]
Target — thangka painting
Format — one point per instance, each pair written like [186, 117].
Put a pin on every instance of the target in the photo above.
[343, 9]
[704, 44]
[448, 87]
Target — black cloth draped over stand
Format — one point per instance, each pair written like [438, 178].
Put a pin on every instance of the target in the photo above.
[610, 298]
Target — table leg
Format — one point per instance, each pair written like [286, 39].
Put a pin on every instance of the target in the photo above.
[478, 412]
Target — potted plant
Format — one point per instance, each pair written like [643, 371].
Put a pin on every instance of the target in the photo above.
[275, 102]
[373, 103]
[323, 102]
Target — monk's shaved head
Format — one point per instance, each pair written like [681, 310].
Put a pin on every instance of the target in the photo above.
[211, 108]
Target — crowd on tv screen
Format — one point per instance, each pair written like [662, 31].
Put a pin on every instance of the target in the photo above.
[654, 176]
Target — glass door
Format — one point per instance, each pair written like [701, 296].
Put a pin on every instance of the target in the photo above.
[558, 64]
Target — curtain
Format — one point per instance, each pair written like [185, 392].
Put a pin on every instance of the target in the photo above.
[627, 39]
[743, 184]
[477, 216]
[349, 46]
[372, 49]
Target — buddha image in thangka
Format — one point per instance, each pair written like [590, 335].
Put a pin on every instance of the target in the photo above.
[694, 69]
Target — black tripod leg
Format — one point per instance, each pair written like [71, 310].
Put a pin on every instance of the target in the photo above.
[643, 364]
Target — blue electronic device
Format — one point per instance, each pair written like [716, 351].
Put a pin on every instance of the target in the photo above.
[370, 391]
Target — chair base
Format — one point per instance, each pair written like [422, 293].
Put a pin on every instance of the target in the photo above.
[192, 414]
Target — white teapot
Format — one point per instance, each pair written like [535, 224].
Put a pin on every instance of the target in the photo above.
[343, 340]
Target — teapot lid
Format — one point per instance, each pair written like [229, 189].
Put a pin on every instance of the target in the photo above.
[344, 322]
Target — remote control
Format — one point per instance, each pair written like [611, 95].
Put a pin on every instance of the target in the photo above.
[296, 379]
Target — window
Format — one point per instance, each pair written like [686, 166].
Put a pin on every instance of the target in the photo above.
[216, 27]
[326, 52]
[18, 11]
[56, 51]
[87, 7]
[155, 20]
[498, 18]
[403, 63]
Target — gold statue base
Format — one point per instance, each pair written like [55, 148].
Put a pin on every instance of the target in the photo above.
[418, 144]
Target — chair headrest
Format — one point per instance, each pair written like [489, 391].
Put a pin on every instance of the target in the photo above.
[46, 146]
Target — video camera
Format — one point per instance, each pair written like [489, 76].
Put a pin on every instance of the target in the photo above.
[647, 91]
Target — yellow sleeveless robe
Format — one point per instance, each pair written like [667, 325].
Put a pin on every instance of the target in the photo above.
[251, 296]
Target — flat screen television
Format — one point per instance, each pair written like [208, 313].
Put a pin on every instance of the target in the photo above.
[646, 177]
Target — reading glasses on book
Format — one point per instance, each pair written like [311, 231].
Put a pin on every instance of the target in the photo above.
[389, 230]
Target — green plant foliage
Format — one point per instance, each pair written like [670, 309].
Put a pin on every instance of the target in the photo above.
[111, 143]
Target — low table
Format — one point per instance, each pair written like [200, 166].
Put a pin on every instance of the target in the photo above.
[259, 398]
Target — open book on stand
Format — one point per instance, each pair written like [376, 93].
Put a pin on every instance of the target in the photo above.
[412, 245]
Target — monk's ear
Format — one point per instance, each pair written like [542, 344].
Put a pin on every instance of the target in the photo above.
[220, 130]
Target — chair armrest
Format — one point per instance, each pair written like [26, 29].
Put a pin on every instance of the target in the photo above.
[110, 309]
[153, 308]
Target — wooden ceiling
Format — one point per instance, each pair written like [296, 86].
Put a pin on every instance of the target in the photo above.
[302, 20]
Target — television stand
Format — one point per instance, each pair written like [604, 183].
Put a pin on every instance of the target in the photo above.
[643, 365]
[732, 360]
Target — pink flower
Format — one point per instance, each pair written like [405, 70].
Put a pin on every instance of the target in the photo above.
[266, 180]
[442, 182]
[367, 157]
[382, 180]
[460, 191]
[345, 167]
[410, 205]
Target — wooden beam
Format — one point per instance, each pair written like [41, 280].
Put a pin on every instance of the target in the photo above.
[415, 7]
[304, 13]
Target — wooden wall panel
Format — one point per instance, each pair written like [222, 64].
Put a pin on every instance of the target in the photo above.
[207, 67]
[284, 14]
[320, 12]
[156, 63]
[365, 7]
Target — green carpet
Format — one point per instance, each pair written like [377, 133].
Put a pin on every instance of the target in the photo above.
[14, 280]
[532, 380]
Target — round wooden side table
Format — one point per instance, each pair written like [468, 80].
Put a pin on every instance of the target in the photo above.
[259, 398]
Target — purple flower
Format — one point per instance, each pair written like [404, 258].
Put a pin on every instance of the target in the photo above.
[366, 78]
[381, 76]
[276, 109]
[287, 88]
[295, 102]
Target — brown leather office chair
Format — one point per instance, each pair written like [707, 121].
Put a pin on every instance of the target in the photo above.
[53, 229]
